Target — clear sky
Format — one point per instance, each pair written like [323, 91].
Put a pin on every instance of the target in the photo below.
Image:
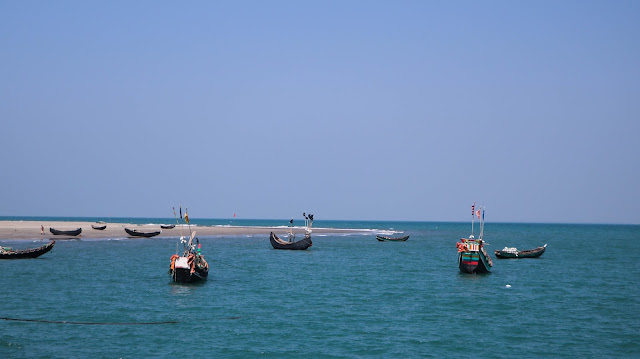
[373, 110]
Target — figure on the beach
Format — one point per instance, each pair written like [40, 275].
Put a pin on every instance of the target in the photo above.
[42, 229]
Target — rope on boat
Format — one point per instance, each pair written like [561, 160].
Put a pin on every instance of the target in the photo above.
[85, 323]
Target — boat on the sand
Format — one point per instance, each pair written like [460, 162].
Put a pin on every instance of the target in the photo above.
[137, 233]
[74, 232]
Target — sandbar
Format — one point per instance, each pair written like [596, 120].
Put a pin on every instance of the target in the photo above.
[31, 230]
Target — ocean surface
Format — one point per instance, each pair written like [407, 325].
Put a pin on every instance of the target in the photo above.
[348, 296]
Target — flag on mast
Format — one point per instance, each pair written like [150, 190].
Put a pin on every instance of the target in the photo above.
[186, 216]
[473, 209]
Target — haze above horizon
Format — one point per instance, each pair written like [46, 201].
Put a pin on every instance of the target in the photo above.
[403, 110]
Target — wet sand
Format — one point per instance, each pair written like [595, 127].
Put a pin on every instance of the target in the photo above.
[30, 230]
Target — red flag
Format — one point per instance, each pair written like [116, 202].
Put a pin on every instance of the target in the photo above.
[234, 215]
[478, 214]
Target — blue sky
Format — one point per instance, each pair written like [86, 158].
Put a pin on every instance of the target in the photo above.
[381, 110]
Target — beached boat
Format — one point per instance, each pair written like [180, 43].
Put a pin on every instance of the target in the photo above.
[190, 266]
[512, 252]
[136, 233]
[472, 257]
[10, 253]
[167, 226]
[391, 239]
[74, 232]
[278, 243]
[100, 227]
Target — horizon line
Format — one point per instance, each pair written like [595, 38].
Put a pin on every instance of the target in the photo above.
[336, 220]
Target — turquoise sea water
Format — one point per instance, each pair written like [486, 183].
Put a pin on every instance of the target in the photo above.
[348, 296]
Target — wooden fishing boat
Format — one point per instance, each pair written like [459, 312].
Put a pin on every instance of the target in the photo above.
[472, 257]
[391, 239]
[9, 253]
[507, 253]
[191, 266]
[291, 243]
[167, 226]
[74, 232]
[302, 244]
[99, 227]
[136, 233]
[188, 269]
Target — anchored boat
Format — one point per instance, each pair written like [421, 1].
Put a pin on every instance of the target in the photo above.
[391, 239]
[190, 266]
[291, 243]
[472, 257]
[10, 253]
[512, 252]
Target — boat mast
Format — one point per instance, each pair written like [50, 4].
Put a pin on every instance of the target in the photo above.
[291, 235]
[473, 214]
[482, 224]
[177, 224]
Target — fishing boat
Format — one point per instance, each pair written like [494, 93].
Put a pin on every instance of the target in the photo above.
[512, 252]
[472, 257]
[74, 232]
[278, 243]
[291, 243]
[101, 226]
[10, 253]
[167, 226]
[136, 233]
[391, 239]
[190, 266]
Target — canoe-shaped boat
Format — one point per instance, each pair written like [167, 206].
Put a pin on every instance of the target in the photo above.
[513, 252]
[136, 233]
[167, 226]
[8, 253]
[391, 239]
[99, 227]
[74, 232]
[278, 243]
[472, 257]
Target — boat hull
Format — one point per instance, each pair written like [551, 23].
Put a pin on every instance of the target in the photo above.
[473, 258]
[74, 232]
[199, 273]
[100, 228]
[278, 243]
[391, 239]
[135, 233]
[181, 275]
[28, 253]
[529, 253]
